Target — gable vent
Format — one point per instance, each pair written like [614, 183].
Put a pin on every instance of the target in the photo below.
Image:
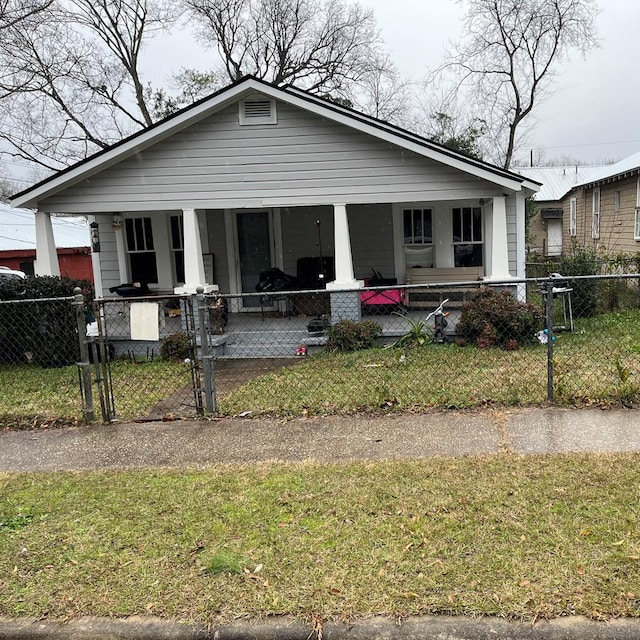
[258, 111]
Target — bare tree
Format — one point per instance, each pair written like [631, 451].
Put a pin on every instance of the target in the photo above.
[13, 12]
[71, 82]
[382, 93]
[508, 57]
[323, 46]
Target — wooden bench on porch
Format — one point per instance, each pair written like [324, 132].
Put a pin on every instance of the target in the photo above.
[441, 276]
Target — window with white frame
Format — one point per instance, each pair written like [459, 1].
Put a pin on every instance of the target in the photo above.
[467, 236]
[177, 248]
[141, 250]
[616, 201]
[595, 223]
[573, 217]
[417, 227]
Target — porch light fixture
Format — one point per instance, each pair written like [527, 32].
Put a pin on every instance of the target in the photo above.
[117, 221]
[95, 237]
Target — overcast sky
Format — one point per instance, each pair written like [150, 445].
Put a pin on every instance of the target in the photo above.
[592, 114]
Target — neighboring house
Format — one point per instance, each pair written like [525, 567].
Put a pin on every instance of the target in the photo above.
[18, 243]
[257, 176]
[546, 234]
[607, 208]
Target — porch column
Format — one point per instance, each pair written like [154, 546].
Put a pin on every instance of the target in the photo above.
[498, 258]
[193, 262]
[345, 302]
[343, 258]
[46, 255]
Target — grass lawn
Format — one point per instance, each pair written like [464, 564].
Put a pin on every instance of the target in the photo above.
[598, 363]
[520, 537]
[33, 395]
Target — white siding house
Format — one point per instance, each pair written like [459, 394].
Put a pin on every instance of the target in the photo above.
[256, 176]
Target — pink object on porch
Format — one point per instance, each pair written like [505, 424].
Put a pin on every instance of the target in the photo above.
[384, 296]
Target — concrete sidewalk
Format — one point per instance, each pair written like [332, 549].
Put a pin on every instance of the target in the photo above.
[324, 439]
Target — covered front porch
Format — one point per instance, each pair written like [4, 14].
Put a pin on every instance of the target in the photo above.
[335, 248]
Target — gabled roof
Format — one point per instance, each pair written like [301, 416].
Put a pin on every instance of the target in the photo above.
[18, 230]
[297, 97]
[558, 181]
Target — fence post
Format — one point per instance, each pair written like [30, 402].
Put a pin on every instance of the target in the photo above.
[207, 361]
[549, 323]
[84, 365]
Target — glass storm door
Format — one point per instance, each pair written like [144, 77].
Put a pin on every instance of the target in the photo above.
[254, 250]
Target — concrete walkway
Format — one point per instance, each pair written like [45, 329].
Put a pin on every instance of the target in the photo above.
[327, 439]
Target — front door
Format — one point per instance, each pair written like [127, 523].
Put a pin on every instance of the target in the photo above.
[254, 236]
[554, 237]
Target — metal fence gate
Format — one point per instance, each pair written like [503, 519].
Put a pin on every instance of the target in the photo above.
[145, 359]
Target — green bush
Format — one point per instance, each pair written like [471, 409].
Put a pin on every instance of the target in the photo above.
[176, 347]
[581, 261]
[496, 318]
[348, 335]
[40, 328]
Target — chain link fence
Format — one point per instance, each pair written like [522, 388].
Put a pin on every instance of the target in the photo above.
[39, 349]
[573, 340]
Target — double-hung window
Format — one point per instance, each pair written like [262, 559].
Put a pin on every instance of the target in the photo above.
[177, 248]
[418, 237]
[595, 224]
[141, 250]
[467, 236]
[573, 217]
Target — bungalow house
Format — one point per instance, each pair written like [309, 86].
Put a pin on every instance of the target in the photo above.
[18, 243]
[549, 211]
[258, 176]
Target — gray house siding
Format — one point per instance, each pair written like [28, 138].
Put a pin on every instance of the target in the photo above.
[300, 235]
[218, 247]
[371, 230]
[512, 235]
[303, 159]
[108, 255]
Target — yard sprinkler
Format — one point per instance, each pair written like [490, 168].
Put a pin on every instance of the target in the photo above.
[321, 275]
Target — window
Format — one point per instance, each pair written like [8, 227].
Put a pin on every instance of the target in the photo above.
[418, 226]
[140, 247]
[177, 247]
[467, 236]
[573, 217]
[616, 201]
[595, 225]
[636, 227]
[258, 110]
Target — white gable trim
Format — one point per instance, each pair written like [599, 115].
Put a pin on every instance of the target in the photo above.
[232, 94]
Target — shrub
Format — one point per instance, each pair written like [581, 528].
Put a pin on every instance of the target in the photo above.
[581, 261]
[44, 329]
[176, 347]
[348, 335]
[496, 318]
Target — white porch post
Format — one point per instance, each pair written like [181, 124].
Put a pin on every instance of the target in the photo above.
[343, 257]
[194, 276]
[498, 258]
[46, 255]
[345, 299]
